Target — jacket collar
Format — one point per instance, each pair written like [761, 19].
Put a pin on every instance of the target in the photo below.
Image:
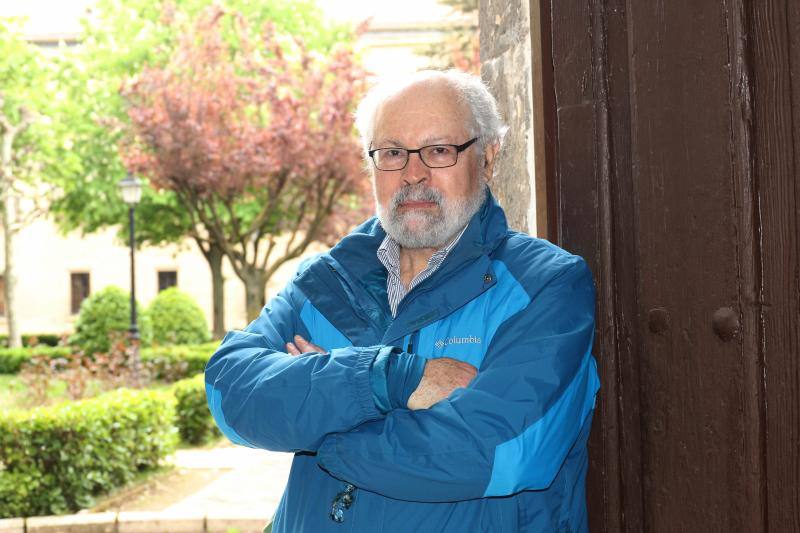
[355, 261]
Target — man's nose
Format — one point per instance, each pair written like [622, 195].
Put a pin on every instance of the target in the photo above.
[416, 171]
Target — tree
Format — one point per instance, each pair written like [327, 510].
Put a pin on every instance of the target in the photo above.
[119, 38]
[255, 138]
[33, 149]
[459, 49]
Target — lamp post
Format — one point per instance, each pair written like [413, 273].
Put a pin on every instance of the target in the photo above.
[131, 188]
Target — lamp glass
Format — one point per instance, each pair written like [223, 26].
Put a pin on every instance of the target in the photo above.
[131, 188]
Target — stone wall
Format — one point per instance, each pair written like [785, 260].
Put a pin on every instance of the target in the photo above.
[506, 66]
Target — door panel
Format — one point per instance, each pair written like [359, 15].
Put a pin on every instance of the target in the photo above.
[677, 140]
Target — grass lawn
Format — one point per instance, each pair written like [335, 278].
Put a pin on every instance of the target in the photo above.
[14, 393]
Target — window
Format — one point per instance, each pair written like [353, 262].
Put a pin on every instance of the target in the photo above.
[79, 290]
[167, 279]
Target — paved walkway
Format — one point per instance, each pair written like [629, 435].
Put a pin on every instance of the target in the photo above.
[244, 490]
[254, 484]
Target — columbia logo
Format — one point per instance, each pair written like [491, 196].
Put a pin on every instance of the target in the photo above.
[441, 343]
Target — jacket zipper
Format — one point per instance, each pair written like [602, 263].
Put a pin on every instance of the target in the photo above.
[342, 502]
[412, 342]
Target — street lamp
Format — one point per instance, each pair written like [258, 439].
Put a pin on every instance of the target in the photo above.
[131, 188]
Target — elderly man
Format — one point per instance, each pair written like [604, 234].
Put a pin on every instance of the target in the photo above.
[432, 372]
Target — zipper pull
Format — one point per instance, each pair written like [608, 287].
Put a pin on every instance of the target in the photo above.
[341, 503]
[410, 348]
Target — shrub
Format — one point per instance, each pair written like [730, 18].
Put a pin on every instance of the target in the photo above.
[193, 418]
[105, 315]
[177, 319]
[166, 363]
[56, 459]
[12, 359]
[35, 339]
[171, 363]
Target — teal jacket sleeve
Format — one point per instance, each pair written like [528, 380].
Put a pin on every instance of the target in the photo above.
[510, 430]
[395, 376]
[260, 396]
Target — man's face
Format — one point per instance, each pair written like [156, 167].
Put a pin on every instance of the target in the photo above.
[422, 207]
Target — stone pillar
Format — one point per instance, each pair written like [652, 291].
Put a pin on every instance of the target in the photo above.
[506, 67]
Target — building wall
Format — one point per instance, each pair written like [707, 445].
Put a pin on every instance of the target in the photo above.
[506, 67]
[45, 259]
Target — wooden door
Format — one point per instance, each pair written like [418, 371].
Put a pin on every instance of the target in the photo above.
[676, 150]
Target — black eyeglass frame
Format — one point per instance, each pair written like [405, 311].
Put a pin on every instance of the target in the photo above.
[459, 148]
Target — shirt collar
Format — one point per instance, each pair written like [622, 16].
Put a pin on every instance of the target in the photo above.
[389, 252]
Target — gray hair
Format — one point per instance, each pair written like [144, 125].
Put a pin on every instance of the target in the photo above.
[486, 123]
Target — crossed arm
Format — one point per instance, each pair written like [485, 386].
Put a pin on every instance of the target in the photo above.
[440, 378]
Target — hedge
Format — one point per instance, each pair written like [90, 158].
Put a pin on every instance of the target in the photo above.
[193, 419]
[171, 363]
[57, 459]
[35, 339]
[12, 359]
[167, 363]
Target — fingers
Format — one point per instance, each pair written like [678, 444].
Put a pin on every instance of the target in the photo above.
[292, 349]
[306, 346]
[301, 346]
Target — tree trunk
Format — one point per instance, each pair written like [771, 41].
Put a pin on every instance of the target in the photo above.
[255, 283]
[14, 337]
[214, 255]
[214, 258]
[10, 278]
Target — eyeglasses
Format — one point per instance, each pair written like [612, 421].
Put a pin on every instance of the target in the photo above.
[433, 156]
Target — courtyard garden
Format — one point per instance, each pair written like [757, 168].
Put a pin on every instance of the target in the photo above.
[87, 416]
[234, 120]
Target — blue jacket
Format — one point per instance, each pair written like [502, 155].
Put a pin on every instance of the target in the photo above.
[505, 454]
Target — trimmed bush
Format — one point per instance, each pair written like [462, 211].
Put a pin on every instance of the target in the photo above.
[193, 418]
[171, 363]
[35, 339]
[106, 314]
[57, 459]
[177, 319]
[166, 363]
[12, 359]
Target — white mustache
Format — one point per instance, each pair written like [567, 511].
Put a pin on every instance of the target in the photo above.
[416, 193]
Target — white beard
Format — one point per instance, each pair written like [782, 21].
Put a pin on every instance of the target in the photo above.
[431, 228]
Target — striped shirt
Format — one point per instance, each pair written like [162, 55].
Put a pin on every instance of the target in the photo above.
[389, 256]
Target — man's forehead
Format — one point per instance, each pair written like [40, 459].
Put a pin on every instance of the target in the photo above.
[398, 140]
[425, 96]
[429, 112]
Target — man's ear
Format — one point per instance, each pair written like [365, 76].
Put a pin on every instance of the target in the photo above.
[489, 156]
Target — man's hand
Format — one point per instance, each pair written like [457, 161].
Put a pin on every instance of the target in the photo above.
[301, 346]
[441, 377]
